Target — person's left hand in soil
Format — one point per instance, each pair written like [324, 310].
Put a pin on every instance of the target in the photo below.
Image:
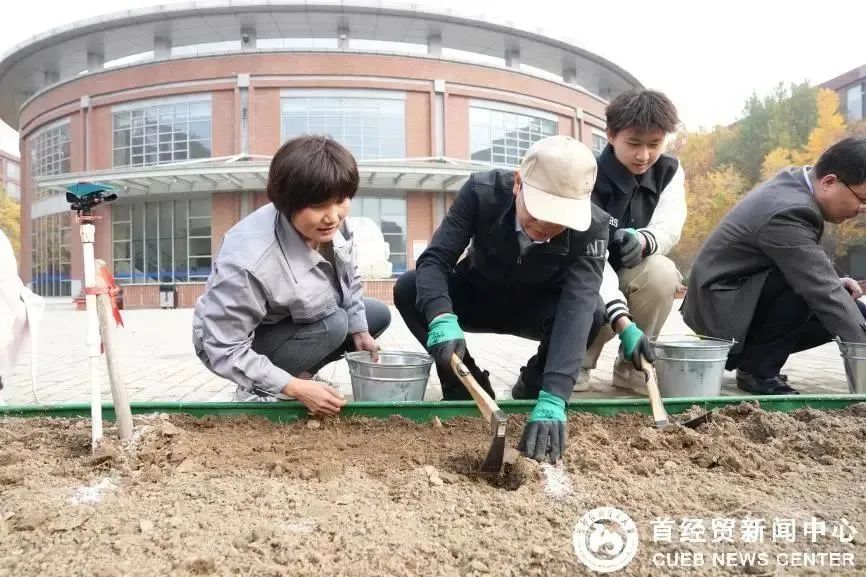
[546, 431]
[364, 341]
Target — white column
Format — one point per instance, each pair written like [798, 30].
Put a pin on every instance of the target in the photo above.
[88, 234]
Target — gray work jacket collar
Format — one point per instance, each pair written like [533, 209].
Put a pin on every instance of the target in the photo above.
[300, 258]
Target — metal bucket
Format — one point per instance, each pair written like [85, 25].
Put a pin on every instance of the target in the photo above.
[690, 366]
[398, 376]
[854, 358]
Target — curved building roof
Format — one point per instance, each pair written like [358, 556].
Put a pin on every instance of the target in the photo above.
[145, 35]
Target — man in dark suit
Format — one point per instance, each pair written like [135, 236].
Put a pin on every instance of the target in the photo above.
[763, 279]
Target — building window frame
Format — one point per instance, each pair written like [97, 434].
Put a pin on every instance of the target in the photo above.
[50, 153]
[858, 89]
[51, 253]
[162, 131]
[370, 123]
[396, 214]
[599, 140]
[501, 133]
[12, 166]
[145, 250]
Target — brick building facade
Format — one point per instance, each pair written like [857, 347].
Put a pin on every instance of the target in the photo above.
[185, 130]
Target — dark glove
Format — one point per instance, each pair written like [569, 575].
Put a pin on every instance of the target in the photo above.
[547, 429]
[634, 344]
[630, 250]
[445, 338]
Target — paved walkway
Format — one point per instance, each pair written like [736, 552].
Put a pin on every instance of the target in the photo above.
[160, 364]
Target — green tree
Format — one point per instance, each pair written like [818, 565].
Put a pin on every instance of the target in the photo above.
[784, 119]
[709, 196]
[10, 221]
[775, 161]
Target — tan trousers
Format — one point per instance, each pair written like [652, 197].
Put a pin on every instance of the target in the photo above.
[650, 289]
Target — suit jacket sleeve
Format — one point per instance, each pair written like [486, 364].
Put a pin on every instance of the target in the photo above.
[441, 255]
[575, 313]
[791, 239]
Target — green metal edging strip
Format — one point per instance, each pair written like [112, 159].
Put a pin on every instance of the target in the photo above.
[424, 411]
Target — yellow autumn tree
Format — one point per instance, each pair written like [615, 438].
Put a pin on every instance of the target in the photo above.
[775, 161]
[829, 129]
[709, 196]
[696, 150]
[10, 221]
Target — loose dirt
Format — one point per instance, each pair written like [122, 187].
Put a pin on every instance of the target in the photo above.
[245, 496]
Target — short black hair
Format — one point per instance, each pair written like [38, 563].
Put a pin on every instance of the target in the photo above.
[846, 159]
[310, 170]
[642, 110]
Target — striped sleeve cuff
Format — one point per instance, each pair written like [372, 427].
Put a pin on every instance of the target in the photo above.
[651, 244]
[615, 310]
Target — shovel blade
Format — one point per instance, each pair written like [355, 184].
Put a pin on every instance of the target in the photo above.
[698, 421]
[495, 456]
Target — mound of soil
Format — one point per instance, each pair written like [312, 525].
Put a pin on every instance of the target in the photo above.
[246, 496]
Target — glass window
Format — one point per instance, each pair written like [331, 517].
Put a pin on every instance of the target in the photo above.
[599, 141]
[854, 103]
[12, 191]
[502, 138]
[52, 257]
[370, 127]
[13, 170]
[165, 241]
[50, 154]
[162, 133]
[389, 214]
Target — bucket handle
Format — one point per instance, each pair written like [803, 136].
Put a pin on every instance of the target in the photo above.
[724, 359]
[389, 379]
[702, 337]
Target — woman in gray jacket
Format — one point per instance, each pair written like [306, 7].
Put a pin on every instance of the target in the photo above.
[285, 298]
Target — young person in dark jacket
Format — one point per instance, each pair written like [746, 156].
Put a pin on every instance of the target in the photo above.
[533, 269]
[643, 191]
[762, 277]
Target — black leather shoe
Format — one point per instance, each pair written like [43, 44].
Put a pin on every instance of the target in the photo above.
[523, 391]
[764, 385]
[483, 379]
[454, 390]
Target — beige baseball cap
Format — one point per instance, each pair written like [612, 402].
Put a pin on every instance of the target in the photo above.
[558, 173]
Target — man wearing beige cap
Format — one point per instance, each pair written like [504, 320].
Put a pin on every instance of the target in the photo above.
[537, 248]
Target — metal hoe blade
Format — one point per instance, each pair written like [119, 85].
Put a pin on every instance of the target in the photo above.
[496, 454]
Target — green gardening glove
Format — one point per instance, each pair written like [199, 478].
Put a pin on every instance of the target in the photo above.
[547, 429]
[445, 338]
[634, 344]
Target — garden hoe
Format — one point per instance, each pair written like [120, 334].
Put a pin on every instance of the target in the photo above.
[490, 410]
[660, 415]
